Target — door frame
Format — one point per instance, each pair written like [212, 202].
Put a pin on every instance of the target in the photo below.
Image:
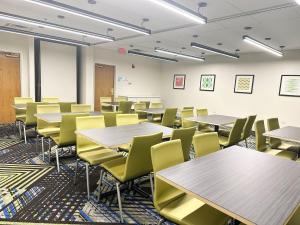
[94, 79]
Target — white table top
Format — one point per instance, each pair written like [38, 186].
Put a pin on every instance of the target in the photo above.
[214, 119]
[286, 133]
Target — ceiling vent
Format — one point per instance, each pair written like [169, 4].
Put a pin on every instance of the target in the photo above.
[16, 26]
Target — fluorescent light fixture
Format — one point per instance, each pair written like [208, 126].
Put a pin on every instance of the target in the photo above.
[298, 1]
[89, 15]
[181, 10]
[43, 36]
[214, 50]
[151, 56]
[179, 54]
[262, 46]
[53, 26]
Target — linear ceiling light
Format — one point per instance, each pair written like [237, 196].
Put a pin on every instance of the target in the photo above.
[214, 50]
[298, 1]
[179, 54]
[43, 36]
[151, 56]
[181, 10]
[89, 15]
[262, 46]
[53, 26]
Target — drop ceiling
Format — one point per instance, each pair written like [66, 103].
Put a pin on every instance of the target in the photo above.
[277, 19]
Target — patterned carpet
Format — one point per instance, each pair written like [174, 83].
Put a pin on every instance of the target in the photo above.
[32, 192]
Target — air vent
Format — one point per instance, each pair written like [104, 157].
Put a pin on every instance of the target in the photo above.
[16, 26]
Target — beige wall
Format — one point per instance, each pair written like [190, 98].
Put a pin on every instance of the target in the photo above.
[264, 101]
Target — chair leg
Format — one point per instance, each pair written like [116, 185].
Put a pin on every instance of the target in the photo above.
[87, 180]
[37, 142]
[76, 169]
[246, 143]
[151, 184]
[49, 150]
[25, 136]
[161, 221]
[100, 183]
[120, 202]
[43, 148]
[20, 129]
[57, 160]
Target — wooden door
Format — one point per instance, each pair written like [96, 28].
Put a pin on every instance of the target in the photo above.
[10, 86]
[104, 83]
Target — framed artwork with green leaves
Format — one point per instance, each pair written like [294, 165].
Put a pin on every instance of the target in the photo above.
[207, 82]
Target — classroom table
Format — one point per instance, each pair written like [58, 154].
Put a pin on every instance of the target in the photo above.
[56, 117]
[289, 133]
[214, 119]
[253, 187]
[112, 137]
[114, 105]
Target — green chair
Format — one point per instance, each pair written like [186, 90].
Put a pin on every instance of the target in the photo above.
[127, 119]
[203, 128]
[234, 135]
[172, 203]
[188, 107]
[121, 99]
[205, 144]
[186, 137]
[51, 100]
[110, 119]
[105, 107]
[261, 143]
[65, 107]
[44, 129]
[295, 220]
[248, 128]
[169, 117]
[21, 113]
[81, 108]
[125, 107]
[66, 137]
[185, 114]
[156, 105]
[137, 164]
[147, 103]
[89, 152]
[137, 107]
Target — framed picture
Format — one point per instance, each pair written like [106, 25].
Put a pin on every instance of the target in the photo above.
[207, 82]
[179, 81]
[244, 84]
[290, 85]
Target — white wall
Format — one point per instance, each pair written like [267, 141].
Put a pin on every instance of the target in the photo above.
[58, 71]
[265, 101]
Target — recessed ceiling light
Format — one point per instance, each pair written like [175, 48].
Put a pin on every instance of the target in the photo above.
[195, 36]
[158, 42]
[93, 2]
[60, 17]
[298, 1]
[131, 46]
[248, 28]
[183, 48]
[220, 44]
[268, 39]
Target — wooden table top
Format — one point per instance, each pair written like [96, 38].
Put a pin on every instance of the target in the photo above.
[286, 133]
[116, 136]
[56, 117]
[214, 119]
[250, 186]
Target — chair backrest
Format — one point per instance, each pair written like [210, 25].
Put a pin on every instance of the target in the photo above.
[248, 127]
[22, 100]
[67, 135]
[187, 113]
[147, 103]
[81, 108]
[31, 108]
[165, 155]
[110, 119]
[206, 143]
[139, 162]
[41, 109]
[85, 123]
[188, 107]
[50, 99]
[125, 107]
[169, 117]
[127, 119]
[236, 131]
[273, 124]
[66, 106]
[202, 112]
[139, 106]
[156, 105]
[260, 139]
[121, 99]
[186, 137]
[105, 99]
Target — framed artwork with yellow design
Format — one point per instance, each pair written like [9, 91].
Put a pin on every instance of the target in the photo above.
[244, 84]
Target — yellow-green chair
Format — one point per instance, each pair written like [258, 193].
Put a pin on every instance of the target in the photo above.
[137, 164]
[44, 129]
[81, 108]
[295, 220]
[105, 107]
[65, 107]
[110, 119]
[125, 107]
[234, 135]
[185, 114]
[156, 105]
[127, 119]
[203, 128]
[169, 117]
[188, 107]
[137, 107]
[206, 143]
[248, 128]
[147, 103]
[66, 136]
[186, 137]
[121, 99]
[21, 113]
[261, 143]
[89, 152]
[172, 203]
[50, 99]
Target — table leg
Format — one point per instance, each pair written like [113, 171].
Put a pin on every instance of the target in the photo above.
[114, 108]
[216, 128]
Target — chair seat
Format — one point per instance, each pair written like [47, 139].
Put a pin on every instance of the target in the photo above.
[20, 116]
[116, 168]
[223, 140]
[143, 120]
[55, 138]
[47, 132]
[281, 153]
[98, 156]
[289, 146]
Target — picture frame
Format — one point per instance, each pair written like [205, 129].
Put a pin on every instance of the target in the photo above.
[289, 86]
[207, 82]
[179, 81]
[244, 84]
